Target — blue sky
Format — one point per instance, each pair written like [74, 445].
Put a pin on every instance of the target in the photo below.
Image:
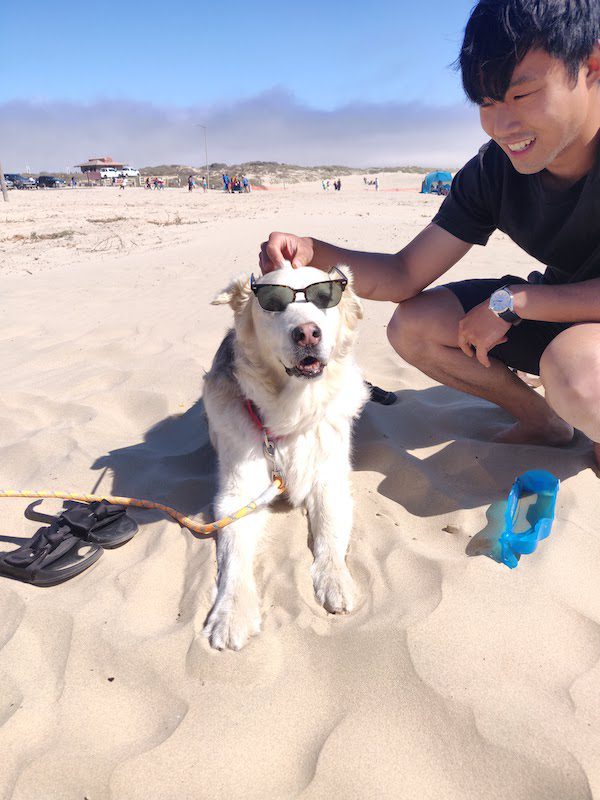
[170, 63]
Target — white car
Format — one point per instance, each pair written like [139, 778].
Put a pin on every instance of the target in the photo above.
[129, 172]
[109, 172]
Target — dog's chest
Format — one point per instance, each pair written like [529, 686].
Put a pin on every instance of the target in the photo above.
[311, 458]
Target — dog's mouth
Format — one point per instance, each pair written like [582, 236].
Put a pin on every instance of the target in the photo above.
[309, 367]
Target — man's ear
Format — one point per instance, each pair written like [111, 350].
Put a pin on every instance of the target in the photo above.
[236, 294]
[593, 65]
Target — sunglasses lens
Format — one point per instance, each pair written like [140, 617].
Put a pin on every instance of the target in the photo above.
[325, 295]
[274, 298]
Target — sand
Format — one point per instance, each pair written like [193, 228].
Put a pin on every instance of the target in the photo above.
[456, 678]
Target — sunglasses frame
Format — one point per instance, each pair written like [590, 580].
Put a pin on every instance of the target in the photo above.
[343, 280]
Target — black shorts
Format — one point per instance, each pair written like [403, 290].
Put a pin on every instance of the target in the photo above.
[526, 341]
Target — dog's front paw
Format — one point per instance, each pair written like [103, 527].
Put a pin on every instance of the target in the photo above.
[334, 588]
[232, 621]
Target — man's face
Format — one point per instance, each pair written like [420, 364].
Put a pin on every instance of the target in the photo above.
[541, 122]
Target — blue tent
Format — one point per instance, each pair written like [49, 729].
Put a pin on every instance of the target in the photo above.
[436, 183]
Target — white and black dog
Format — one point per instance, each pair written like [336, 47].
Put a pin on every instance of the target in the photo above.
[287, 365]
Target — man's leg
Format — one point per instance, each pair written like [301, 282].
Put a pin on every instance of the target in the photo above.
[570, 371]
[424, 331]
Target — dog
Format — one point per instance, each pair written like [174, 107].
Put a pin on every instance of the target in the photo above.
[286, 368]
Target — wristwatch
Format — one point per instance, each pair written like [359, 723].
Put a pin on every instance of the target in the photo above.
[501, 304]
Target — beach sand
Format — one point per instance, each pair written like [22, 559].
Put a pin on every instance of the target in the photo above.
[455, 679]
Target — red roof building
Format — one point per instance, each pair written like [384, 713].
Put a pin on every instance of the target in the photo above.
[94, 164]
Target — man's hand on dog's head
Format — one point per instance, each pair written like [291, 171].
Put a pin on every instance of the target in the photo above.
[280, 247]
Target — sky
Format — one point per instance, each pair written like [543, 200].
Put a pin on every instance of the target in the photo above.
[307, 83]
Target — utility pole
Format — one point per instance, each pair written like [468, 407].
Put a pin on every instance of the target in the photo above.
[205, 154]
[3, 185]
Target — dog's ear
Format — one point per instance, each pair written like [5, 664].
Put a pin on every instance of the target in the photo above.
[236, 294]
[350, 306]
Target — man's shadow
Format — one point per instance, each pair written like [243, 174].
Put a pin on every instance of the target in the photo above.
[434, 452]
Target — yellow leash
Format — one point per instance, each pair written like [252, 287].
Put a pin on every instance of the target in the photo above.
[277, 487]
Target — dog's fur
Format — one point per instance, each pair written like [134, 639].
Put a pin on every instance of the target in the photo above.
[309, 416]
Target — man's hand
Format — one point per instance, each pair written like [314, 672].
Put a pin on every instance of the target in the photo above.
[479, 331]
[285, 247]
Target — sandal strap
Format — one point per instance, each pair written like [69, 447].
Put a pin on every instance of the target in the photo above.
[82, 518]
[48, 545]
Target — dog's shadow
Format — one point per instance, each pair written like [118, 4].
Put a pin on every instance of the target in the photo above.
[175, 465]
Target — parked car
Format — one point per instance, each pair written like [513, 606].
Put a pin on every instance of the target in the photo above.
[19, 181]
[8, 182]
[109, 172]
[49, 181]
[129, 172]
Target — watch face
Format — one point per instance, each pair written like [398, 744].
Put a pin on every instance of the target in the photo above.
[500, 301]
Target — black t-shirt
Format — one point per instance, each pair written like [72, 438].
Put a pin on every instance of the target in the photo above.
[559, 228]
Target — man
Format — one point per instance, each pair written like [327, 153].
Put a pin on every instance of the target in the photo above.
[533, 68]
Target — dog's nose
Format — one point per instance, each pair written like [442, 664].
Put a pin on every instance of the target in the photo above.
[307, 335]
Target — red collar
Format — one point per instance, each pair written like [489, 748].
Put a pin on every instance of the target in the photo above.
[254, 416]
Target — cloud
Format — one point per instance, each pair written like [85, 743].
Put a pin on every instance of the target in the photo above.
[272, 126]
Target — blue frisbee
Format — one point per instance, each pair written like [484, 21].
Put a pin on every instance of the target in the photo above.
[538, 516]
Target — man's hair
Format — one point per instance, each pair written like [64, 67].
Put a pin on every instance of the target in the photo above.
[499, 34]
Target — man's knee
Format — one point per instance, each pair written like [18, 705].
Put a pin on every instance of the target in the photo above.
[429, 318]
[405, 329]
[571, 391]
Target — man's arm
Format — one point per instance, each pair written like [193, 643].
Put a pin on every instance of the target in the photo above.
[565, 302]
[377, 276]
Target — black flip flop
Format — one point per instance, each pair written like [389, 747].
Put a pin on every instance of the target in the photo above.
[378, 395]
[52, 556]
[100, 523]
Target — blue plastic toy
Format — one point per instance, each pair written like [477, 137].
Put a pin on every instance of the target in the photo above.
[539, 515]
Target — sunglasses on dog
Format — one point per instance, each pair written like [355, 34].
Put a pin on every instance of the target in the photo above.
[324, 294]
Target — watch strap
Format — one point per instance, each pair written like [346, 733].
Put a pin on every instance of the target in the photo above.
[510, 316]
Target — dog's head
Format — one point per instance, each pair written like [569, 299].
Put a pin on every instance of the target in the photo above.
[300, 337]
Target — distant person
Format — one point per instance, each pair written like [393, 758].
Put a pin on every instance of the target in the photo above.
[376, 184]
[73, 182]
[190, 183]
[123, 183]
[533, 71]
[245, 183]
[324, 185]
[204, 183]
[148, 186]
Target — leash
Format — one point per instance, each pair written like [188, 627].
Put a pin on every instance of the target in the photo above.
[277, 487]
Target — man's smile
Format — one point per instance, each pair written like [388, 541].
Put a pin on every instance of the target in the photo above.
[521, 146]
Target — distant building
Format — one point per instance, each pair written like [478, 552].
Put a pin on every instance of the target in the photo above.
[95, 164]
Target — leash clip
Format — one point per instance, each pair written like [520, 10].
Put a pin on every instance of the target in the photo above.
[270, 453]
[268, 449]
